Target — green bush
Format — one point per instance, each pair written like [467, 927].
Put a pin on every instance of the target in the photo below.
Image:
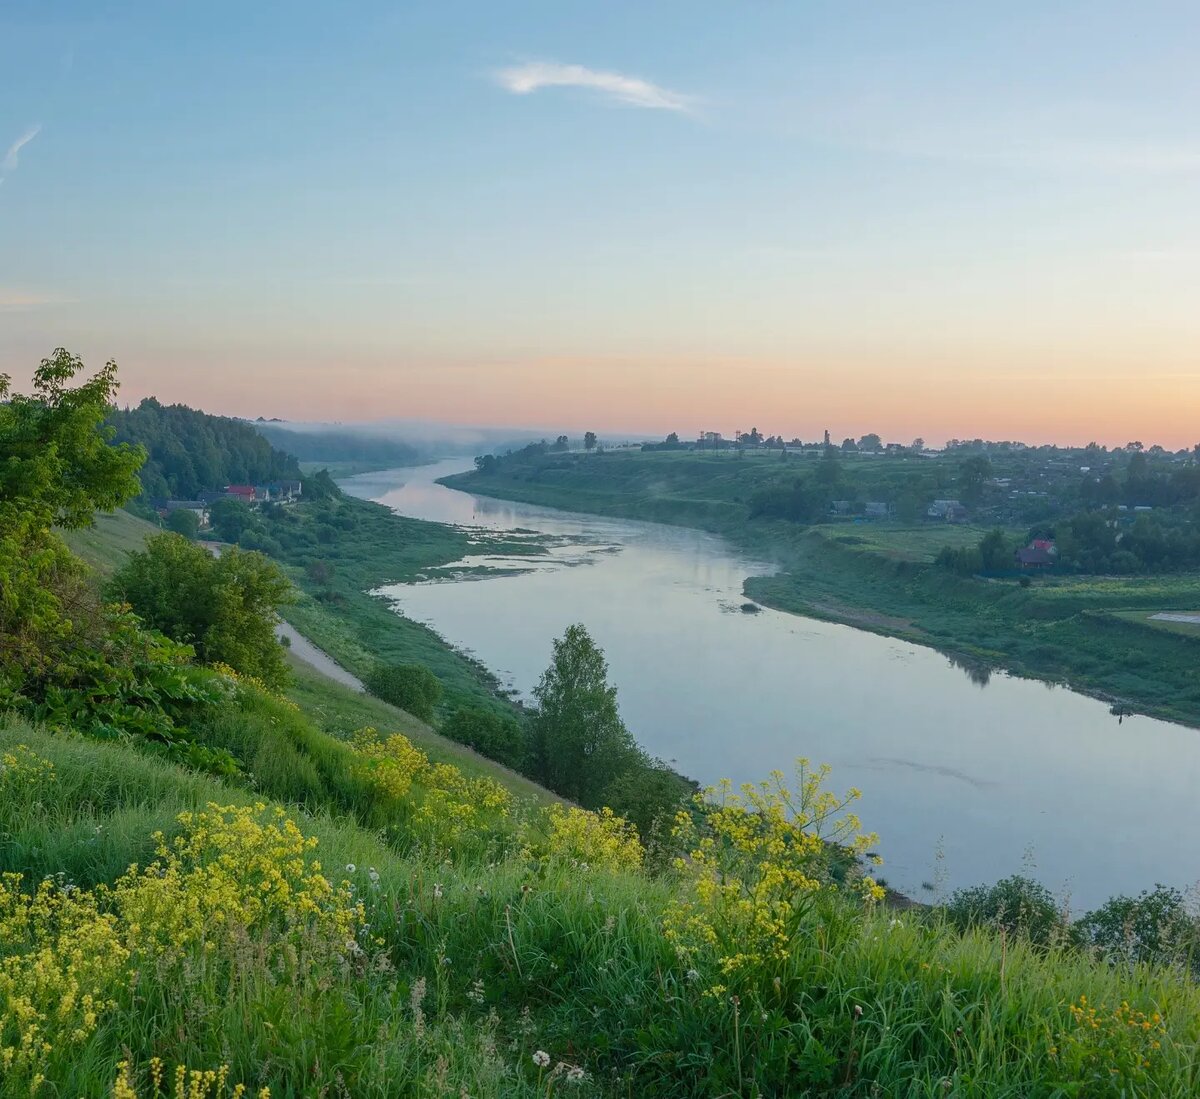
[1153, 927]
[182, 521]
[492, 734]
[1017, 905]
[226, 606]
[412, 687]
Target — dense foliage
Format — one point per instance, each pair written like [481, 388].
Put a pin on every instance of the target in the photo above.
[225, 606]
[66, 658]
[498, 736]
[412, 687]
[188, 452]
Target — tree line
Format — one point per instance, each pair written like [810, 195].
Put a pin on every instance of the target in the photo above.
[188, 452]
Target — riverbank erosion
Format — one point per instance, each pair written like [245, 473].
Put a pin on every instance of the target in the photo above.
[1078, 631]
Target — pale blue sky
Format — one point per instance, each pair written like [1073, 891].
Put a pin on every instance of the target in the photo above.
[626, 215]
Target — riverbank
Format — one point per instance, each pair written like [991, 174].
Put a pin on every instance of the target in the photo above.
[880, 578]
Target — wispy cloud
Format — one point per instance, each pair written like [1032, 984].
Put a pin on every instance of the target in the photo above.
[19, 301]
[13, 156]
[633, 91]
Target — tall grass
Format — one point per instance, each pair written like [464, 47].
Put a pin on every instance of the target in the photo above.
[469, 962]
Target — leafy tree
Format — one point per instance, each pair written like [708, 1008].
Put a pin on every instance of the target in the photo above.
[995, 554]
[66, 659]
[57, 463]
[225, 607]
[230, 519]
[870, 442]
[589, 440]
[412, 687]
[56, 469]
[971, 477]
[578, 741]
[849, 446]
[495, 735]
[185, 522]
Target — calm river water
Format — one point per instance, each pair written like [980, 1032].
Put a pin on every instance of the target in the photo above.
[964, 783]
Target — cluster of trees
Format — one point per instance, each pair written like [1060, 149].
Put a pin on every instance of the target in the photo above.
[69, 655]
[993, 554]
[225, 607]
[188, 452]
[580, 747]
[1103, 542]
[573, 741]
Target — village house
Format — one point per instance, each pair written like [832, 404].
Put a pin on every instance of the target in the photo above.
[197, 507]
[877, 509]
[949, 510]
[1041, 553]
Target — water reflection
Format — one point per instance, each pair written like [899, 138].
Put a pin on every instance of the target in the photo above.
[977, 671]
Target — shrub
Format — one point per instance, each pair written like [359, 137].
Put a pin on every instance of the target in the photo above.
[412, 687]
[182, 521]
[226, 606]
[495, 735]
[1017, 904]
[1153, 927]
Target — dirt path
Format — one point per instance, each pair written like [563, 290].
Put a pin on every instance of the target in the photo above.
[305, 650]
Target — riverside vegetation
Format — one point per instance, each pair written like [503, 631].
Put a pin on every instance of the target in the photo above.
[206, 892]
[926, 581]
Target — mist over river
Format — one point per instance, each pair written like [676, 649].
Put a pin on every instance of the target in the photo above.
[964, 782]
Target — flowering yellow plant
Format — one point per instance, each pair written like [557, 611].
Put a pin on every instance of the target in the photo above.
[232, 868]
[65, 964]
[188, 1084]
[1115, 1046]
[447, 805]
[755, 859]
[600, 840]
[71, 955]
[21, 766]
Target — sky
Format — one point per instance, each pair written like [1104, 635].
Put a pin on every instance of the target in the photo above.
[919, 219]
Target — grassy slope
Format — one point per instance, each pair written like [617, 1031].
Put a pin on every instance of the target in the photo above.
[356, 632]
[877, 576]
[551, 956]
[115, 535]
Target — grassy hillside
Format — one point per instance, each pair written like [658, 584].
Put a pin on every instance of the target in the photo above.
[880, 576]
[115, 535]
[428, 946]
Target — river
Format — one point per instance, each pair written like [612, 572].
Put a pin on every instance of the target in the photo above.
[964, 782]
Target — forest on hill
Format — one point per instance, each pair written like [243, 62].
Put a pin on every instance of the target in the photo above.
[189, 452]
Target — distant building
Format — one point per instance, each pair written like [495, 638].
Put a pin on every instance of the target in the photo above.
[198, 508]
[942, 509]
[841, 507]
[876, 509]
[245, 493]
[1041, 553]
[1029, 558]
